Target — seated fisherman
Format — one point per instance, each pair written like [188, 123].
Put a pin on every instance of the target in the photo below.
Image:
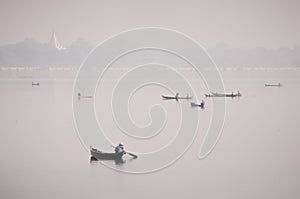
[120, 148]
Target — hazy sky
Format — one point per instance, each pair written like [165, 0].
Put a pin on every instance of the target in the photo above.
[253, 23]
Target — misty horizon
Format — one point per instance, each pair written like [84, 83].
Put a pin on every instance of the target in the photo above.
[31, 52]
[219, 44]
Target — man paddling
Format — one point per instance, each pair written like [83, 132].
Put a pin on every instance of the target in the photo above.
[120, 149]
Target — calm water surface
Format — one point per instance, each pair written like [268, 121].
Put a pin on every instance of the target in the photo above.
[257, 155]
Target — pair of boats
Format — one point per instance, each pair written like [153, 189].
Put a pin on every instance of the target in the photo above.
[177, 97]
[238, 94]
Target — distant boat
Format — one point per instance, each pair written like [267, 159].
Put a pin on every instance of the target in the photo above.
[274, 85]
[83, 96]
[193, 104]
[35, 83]
[238, 94]
[176, 97]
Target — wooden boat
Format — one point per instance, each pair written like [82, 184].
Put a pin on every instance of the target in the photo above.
[168, 97]
[83, 96]
[176, 97]
[238, 94]
[277, 85]
[99, 155]
[35, 83]
[193, 104]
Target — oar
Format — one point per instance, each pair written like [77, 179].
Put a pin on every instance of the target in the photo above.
[133, 155]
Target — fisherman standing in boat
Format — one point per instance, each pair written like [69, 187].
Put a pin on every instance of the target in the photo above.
[120, 148]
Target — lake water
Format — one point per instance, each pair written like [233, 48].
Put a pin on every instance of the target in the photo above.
[257, 155]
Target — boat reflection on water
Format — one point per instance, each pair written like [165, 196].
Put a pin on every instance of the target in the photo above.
[118, 161]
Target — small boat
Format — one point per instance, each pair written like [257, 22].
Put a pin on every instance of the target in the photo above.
[176, 97]
[83, 96]
[276, 85]
[168, 97]
[99, 155]
[35, 83]
[238, 94]
[193, 104]
[208, 95]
